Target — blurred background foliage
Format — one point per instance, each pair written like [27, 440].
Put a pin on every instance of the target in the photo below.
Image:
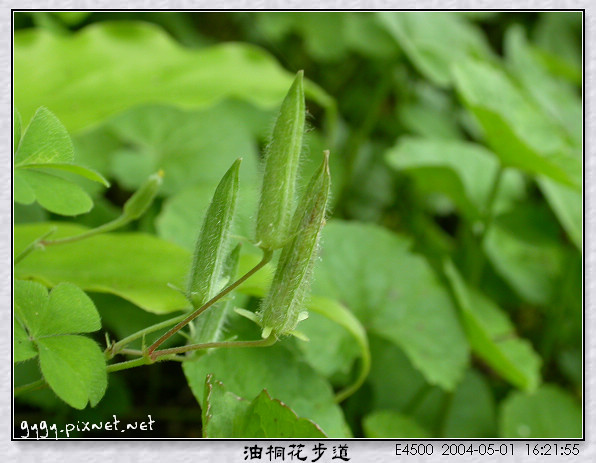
[456, 223]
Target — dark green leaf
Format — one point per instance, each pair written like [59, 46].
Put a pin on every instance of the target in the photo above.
[550, 412]
[390, 424]
[245, 372]
[394, 294]
[227, 415]
[524, 248]
[492, 336]
[471, 412]
[463, 171]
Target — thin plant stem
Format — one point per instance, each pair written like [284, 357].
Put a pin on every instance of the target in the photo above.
[106, 227]
[36, 244]
[117, 347]
[489, 214]
[267, 254]
[39, 384]
[211, 345]
[352, 388]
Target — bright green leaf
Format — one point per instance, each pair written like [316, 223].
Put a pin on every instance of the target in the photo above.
[105, 69]
[16, 126]
[54, 193]
[566, 203]
[557, 98]
[394, 294]
[227, 415]
[135, 266]
[433, 41]
[390, 424]
[245, 372]
[69, 310]
[515, 128]
[550, 412]
[45, 140]
[75, 369]
[492, 336]
[461, 170]
[73, 168]
[23, 193]
[24, 349]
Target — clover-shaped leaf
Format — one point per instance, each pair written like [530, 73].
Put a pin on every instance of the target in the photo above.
[42, 155]
[46, 325]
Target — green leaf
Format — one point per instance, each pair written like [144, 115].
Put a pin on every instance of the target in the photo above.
[66, 310]
[566, 203]
[394, 294]
[389, 424]
[16, 129]
[73, 168]
[75, 369]
[135, 266]
[515, 128]
[226, 415]
[245, 372]
[46, 148]
[461, 170]
[53, 193]
[211, 247]
[24, 349]
[397, 385]
[492, 335]
[73, 366]
[560, 34]
[524, 247]
[557, 98]
[106, 69]
[69, 310]
[550, 412]
[472, 410]
[433, 41]
[45, 141]
[23, 193]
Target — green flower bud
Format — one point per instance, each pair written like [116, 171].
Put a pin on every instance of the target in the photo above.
[210, 249]
[282, 157]
[140, 201]
[282, 307]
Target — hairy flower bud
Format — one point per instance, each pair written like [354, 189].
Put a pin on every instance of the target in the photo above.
[281, 168]
[210, 249]
[140, 201]
[282, 308]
